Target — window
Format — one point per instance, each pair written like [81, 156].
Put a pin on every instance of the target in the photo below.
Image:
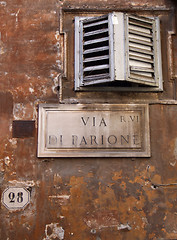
[118, 50]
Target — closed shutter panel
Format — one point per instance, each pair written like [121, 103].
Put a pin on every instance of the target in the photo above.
[95, 52]
[141, 44]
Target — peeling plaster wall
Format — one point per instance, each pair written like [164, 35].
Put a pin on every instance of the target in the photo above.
[81, 198]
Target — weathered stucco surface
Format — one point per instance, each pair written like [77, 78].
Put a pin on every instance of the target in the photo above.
[81, 198]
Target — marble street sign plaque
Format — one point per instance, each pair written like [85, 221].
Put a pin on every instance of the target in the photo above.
[93, 130]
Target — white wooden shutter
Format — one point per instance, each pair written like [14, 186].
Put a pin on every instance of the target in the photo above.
[95, 50]
[143, 53]
[118, 47]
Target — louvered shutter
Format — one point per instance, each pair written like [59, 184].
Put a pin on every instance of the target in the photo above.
[95, 50]
[143, 50]
[118, 47]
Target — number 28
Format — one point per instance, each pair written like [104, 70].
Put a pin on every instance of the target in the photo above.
[18, 197]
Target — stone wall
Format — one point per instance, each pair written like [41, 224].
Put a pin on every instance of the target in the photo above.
[81, 198]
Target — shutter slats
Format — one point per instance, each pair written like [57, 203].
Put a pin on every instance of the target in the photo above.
[96, 76]
[141, 69]
[94, 19]
[136, 58]
[142, 77]
[137, 63]
[141, 55]
[140, 24]
[139, 33]
[93, 68]
[94, 59]
[136, 40]
[142, 19]
[141, 38]
[93, 50]
[140, 29]
[95, 32]
[99, 40]
[141, 52]
[143, 74]
[140, 46]
[95, 24]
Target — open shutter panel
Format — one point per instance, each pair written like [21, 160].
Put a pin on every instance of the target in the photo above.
[95, 53]
[141, 43]
[118, 47]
